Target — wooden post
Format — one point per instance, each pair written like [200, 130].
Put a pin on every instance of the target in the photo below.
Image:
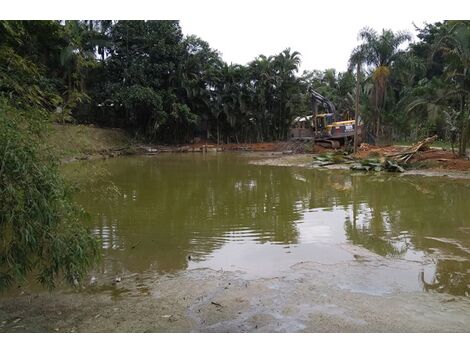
[356, 117]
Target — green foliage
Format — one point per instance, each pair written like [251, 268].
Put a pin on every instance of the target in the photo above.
[145, 76]
[377, 165]
[442, 98]
[382, 55]
[22, 82]
[41, 230]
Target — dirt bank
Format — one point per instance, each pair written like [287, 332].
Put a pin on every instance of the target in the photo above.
[288, 147]
[432, 158]
[352, 296]
[80, 142]
[85, 142]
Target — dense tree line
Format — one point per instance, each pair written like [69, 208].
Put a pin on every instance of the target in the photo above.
[147, 77]
[419, 91]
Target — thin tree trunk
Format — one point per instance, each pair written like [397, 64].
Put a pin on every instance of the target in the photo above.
[356, 117]
[463, 128]
[218, 133]
[377, 119]
[465, 136]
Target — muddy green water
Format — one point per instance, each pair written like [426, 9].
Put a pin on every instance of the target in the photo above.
[174, 212]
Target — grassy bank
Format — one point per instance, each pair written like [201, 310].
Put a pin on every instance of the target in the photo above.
[84, 142]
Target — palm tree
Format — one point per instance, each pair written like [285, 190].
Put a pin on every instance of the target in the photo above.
[286, 65]
[379, 52]
[455, 46]
[433, 99]
[262, 77]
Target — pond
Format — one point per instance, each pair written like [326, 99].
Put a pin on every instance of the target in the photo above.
[175, 212]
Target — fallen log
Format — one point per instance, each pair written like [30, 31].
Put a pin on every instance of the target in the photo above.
[405, 156]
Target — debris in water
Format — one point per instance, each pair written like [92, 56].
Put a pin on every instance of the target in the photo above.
[136, 244]
[377, 165]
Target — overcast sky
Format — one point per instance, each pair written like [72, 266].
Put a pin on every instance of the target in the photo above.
[323, 33]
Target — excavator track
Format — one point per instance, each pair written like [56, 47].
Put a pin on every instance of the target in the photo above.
[329, 143]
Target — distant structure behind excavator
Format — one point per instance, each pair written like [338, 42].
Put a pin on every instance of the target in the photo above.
[327, 129]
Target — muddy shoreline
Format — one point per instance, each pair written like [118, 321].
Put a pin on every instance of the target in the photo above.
[431, 162]
[271, 158]
[306, 161]
[309, 297]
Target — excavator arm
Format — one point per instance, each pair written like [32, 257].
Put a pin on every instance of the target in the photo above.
[318, 99]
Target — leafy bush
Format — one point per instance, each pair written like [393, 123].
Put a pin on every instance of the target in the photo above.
[41, 230]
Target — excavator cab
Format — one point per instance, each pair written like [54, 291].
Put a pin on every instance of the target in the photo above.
[328, 128]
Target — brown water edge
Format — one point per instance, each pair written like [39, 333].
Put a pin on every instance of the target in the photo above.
[307, 298]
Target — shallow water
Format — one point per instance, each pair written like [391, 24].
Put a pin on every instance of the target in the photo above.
[174, 212]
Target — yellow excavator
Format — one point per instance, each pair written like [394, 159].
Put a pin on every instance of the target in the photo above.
[327, 129]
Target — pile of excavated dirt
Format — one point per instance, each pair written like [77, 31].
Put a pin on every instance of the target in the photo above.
[368, 150]
[433, 158]
[442, 159]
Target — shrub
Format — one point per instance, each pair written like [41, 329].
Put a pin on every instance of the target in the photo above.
[41, 229]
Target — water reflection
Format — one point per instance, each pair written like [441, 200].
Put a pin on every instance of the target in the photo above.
[177, 210]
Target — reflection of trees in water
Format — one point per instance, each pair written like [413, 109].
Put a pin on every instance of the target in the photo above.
[379, 243]
[417, 212]
[451, 277]
[172, 207]
[186, 206]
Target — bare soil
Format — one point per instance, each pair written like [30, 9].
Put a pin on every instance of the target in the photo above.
[433, 158]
